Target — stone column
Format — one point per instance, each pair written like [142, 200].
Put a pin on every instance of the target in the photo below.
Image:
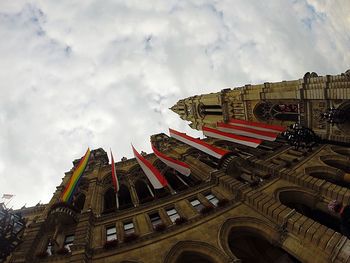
[82, 238]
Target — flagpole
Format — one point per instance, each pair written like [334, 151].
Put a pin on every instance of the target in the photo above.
[114, 178]
[178, 177]
[117, 200]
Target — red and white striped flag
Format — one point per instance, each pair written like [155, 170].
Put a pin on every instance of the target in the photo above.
[257, 125]
[179, 166]
[245, 131]
[198, 144]
[251, 142]
[154, 176]
[114, 175]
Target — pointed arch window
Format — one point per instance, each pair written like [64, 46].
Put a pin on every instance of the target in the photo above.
[306, 204]
[175, 181]
[209, 109]
[109, 200]
[341, 164]
[144, 192]
[124, 197]
[265, 111]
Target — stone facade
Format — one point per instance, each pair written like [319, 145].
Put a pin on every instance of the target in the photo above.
[264, 204]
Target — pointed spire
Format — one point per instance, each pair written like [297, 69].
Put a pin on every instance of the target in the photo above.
[178, 108]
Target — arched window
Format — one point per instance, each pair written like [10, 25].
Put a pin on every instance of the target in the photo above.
[329, 174]
[209, 109]
[305, 204]
[175, 181]
[343, 165]
[109, 200]
[345, 108]
[195, 252]
[124, 197]
[79, 202]
[265, 111]
[144, 191]
[285, 112]
[342, 151]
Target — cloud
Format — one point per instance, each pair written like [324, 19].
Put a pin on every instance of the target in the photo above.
[75, 74]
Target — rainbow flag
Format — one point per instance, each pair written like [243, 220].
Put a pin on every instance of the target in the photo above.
[73, 181]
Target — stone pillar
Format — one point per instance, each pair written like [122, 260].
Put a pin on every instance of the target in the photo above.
[91, 198]
[133, 194]
[82, 238]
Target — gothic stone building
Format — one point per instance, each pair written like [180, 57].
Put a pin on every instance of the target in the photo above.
[264, 204]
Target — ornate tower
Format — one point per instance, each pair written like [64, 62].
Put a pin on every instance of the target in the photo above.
[263, 204]
[311, 101]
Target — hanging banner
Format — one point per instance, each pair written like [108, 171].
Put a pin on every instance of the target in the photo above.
[74, 179]
[154, 176]
[179, 166]
[251, 142]
[257, 125]
[244, 131]
[198, 144]
[114, 175]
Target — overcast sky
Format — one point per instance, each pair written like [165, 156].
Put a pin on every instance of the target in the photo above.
[75, 74]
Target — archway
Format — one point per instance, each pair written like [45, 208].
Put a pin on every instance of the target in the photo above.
[329, 174]
[253, 240]
[193, 257]
[195, 252]
[307, 204]
[345, 107]
[338, 162]
[342, 151]
[252, 248]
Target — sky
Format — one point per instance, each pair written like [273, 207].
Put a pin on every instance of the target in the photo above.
[78, 74]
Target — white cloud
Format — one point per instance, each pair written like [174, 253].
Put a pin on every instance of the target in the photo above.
[75, 74]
